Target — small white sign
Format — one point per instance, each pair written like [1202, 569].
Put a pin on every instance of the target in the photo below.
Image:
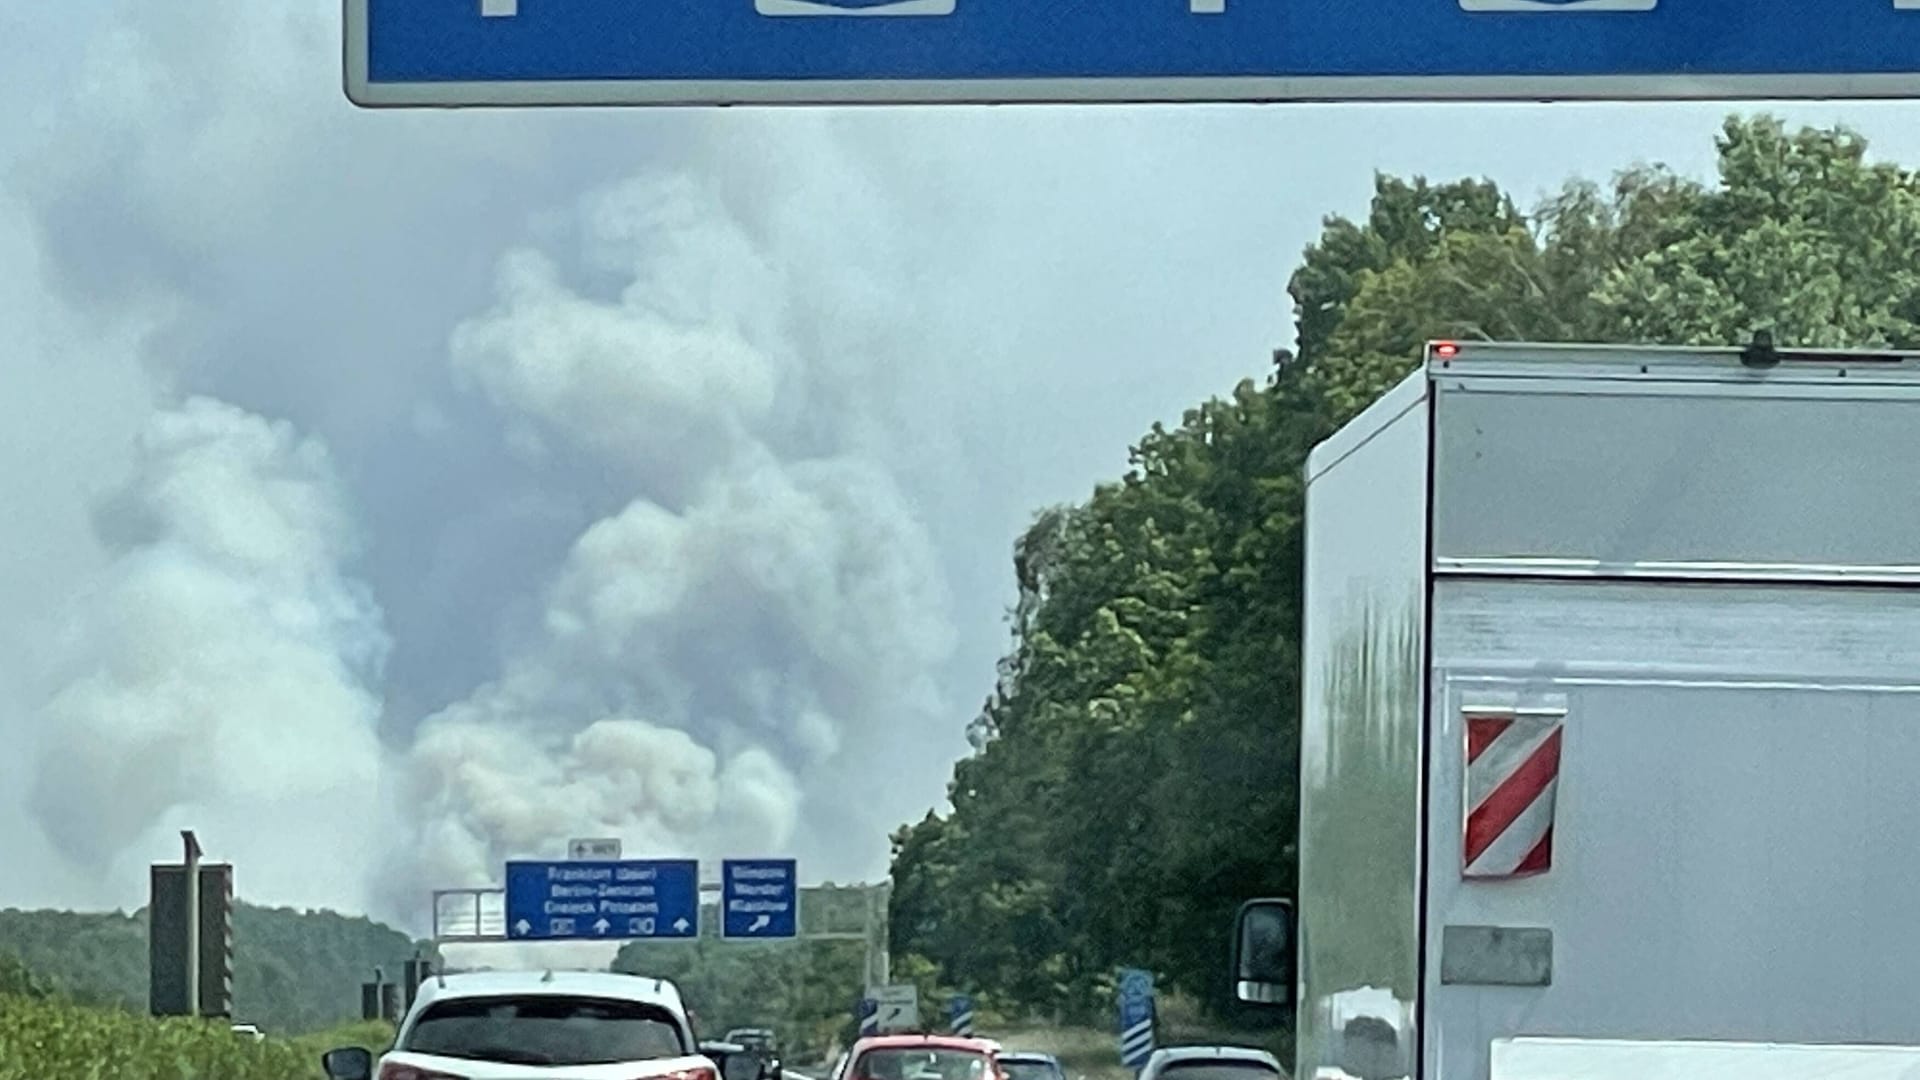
[899, 1006]
[604, 850]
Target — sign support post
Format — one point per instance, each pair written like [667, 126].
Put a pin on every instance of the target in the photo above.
[192, 860]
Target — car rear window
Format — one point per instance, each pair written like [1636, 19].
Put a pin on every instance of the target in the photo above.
[546, 1030]
[1029, 1070]
[1219, 1070]
[916, 1063]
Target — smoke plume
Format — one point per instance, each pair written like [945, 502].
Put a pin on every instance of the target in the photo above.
[219, 675]
[758, 628]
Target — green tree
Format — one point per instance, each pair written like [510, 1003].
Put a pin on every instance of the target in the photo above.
[1134, 770]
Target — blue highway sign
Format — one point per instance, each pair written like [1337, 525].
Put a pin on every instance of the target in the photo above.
[574, 901]
[759, 898]
[605, 52]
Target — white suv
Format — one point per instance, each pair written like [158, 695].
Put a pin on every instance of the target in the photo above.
[558, 1025]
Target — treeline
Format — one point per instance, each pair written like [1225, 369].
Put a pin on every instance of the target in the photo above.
[1133, 774]
[293, 971]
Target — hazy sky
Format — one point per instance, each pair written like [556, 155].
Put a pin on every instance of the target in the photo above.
[389, 494]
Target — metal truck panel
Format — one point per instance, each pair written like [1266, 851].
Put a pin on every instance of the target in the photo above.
[1733, 830]
[1690, 578]
[1583, 1059]
[1671, 474]
[1363, 660]
[1667, 363]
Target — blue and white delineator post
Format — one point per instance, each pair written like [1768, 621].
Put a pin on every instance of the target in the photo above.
[1136, 1018]
[960, 1015]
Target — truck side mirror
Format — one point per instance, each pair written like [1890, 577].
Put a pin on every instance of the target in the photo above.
[1263, 952]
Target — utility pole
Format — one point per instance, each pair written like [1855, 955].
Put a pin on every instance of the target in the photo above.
[879, 964]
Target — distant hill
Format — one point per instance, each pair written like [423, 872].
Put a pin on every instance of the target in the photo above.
[294, 971]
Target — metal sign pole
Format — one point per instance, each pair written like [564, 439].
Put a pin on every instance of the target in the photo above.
[192, 846]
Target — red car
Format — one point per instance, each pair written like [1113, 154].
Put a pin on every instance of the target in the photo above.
[921, 1057]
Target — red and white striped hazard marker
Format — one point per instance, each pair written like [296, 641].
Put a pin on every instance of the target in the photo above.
[1513, 769]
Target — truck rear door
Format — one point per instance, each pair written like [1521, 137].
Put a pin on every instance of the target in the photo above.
[1697, 595]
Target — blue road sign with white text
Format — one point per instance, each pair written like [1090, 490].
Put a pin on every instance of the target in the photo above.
[558, 52]
[759, 898]
[575, 901]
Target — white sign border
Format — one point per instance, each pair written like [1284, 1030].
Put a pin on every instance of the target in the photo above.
[362, 91]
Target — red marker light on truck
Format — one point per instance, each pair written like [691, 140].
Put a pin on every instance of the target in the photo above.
[1446, 350]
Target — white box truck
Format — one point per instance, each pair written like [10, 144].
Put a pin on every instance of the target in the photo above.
[1610, 746]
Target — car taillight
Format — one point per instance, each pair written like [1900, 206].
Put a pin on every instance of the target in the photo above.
[393, 1070]
[698, 1072]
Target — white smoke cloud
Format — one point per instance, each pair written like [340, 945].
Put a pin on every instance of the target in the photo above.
[219, 675]
[667, 380]
[74, 394]
[492, 786]
[763, 621]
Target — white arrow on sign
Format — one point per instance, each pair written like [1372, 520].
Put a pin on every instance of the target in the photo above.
[760, 923]
[523, 927]
[602, 926]
[681, 925]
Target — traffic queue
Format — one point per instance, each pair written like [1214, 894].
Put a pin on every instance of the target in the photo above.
[597, 1025]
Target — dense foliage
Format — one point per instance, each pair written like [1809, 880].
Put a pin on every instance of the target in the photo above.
[294, 971]
[1134, 769]
[17, 980]
[48, 1037]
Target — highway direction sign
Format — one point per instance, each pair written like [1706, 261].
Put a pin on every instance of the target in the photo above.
[759, 898]
[575, 901]
[897, 1008]
[595, 52]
